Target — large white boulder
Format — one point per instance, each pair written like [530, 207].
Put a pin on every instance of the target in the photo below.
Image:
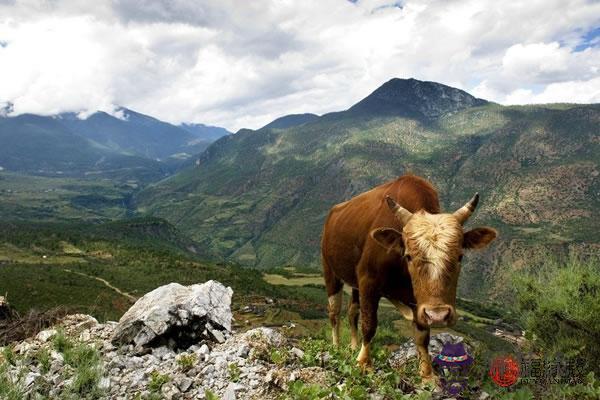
[177, 316]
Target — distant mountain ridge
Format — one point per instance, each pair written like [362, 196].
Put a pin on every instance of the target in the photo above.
[68, 145]
[205, 132]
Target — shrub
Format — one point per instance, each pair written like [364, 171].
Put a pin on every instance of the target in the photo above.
[278, 357]
[560, 309]
[157, 380]
[234, 372]
[186, 361]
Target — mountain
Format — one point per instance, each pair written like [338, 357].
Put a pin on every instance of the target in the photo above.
[205, 132]
[45, 146]
[288, 121]
[260, 197]
[204, 136]
[132, 133]
[415, 99]
[129, 144]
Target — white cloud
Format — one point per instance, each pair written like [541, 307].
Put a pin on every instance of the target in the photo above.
[562, 92]
[237, 65]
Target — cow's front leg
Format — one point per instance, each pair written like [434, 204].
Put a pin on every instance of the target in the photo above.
[353, 313]
[369, 302]
[421, 335]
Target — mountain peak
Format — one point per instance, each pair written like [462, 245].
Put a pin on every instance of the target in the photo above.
[415, 98]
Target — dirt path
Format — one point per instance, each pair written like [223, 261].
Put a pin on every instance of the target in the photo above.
[107, 283]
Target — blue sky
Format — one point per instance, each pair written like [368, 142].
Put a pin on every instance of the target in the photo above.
[242, 64]
[590, 39]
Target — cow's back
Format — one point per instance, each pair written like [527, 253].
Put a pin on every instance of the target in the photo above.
[346, 230]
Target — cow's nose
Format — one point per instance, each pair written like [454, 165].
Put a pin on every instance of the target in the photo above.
[438, 315]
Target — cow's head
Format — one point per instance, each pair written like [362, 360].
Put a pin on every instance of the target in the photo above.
[433, 247]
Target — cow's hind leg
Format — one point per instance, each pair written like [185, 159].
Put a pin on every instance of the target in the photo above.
[334, 298]
[369, 303]
[353, 313]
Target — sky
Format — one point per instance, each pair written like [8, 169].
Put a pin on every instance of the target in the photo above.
[241, 64]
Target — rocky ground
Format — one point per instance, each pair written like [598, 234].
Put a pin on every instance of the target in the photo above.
[81, 358]
[235, 369]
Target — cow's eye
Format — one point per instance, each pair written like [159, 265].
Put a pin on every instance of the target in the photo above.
[408, 257]
[460, 258]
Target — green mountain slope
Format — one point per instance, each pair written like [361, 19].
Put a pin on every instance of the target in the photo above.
[260, 197]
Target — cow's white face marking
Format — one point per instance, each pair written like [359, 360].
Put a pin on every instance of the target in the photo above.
[434, 240]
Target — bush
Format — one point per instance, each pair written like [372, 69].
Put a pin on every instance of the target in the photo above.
[157, 380]
[560, 309]
[187, 361]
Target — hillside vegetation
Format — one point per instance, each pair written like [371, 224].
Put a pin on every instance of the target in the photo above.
[259, 198]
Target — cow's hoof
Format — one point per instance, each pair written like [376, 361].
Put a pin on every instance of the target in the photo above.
[365, 365]
[354, 344]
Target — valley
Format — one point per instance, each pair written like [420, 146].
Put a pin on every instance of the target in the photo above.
[93, 229]
[258, 198]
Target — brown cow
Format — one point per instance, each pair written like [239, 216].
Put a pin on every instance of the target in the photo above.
[394, 242]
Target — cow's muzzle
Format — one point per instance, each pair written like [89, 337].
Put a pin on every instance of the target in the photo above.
[438, 315]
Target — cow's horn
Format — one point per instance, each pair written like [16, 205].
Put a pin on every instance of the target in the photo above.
[401, 213]
[463, 213]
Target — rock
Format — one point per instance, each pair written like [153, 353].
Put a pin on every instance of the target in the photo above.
[183, 383]
[296, 352]
[408, 350]
[44, 336]
[162, 352]
[177, 313]
[230, 392]
[220, 363]
[243, 351]
[23, 347]
[30, 378]
[266, 336]
[204, 350]
[209, 369]
[85, 336]
[104, 383]
[78, 322]
[216, 335]
[483, 396]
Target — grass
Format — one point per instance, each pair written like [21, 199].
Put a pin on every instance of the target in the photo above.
[8, 389]
[276, 279]
[26, 197]
[84, 370]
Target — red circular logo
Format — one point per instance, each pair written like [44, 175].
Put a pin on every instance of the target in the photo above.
[504, 371]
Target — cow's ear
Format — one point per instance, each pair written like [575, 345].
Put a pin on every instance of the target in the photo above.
[388, 238]
[478, 238]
